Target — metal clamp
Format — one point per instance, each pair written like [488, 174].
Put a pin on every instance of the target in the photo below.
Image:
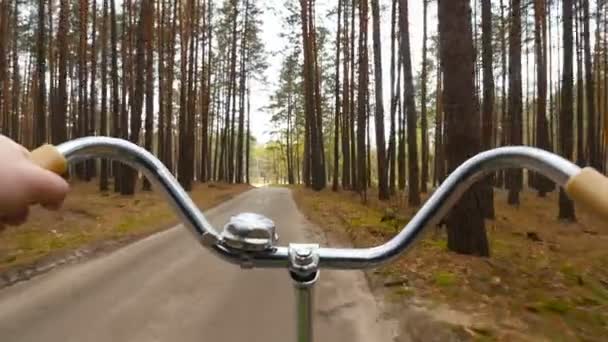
[303, 259]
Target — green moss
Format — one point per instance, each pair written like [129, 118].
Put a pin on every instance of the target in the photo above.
[436, 244]
[569, 272]
[556, 305]
[444, 279]
[403, 292]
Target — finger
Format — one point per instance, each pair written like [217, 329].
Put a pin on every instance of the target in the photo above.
[20, 148]
[16, 219]
[44, 187]
[52, 206]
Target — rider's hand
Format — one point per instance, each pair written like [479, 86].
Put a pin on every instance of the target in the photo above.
[23, 183]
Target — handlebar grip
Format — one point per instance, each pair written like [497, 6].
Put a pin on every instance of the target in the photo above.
[589, 188]
[48, 157]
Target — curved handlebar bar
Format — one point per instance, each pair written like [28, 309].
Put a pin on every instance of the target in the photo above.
[588, 185]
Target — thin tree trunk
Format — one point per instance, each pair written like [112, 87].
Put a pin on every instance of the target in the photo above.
[515, 176]
[116, 128]
[149, 91]
[424, 177]
[103, 124]
[392, 155]
[337, 102]
[488, 100]
[40, 99]
[346, 167]
[566, 206]
[592, 141]
[410, 107]
[542, 184]
[383, 188]
[361, 105]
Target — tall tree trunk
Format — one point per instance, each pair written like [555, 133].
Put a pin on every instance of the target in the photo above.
[346, 167]
[515, 176]
[313, 146]
[392, 155]
[83, 9]
[592, 141]
[352, 110]
[320, 172]
[103, 175]
[16, 90]
[116, 128]
[149, 120]
[361, 105]
[383, 189]
[500, 176]
[4, 47]
[424, 177]
[90, 165]
[488, 100]
[580, 84]
[138, 95]
[40, 99]
[337, 103]
[410, 107]
[543, 184]
[170, 70]
[61, 101]
[566, 207]
[440, 159]
[244, 60]
[466, 231]
[161, 34]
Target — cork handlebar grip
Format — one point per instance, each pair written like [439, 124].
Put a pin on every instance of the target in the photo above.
[589, 188]
[48, 157]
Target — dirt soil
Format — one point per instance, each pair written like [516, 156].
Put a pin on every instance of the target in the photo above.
[545, 281]
[94, 221]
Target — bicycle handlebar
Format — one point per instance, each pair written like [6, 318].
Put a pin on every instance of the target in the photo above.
[587, 186]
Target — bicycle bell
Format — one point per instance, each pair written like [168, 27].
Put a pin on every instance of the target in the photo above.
[250, 232]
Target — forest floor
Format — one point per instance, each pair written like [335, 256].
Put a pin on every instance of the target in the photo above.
[91, 222]
[546, 280]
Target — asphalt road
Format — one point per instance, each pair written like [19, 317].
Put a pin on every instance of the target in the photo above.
[167, 288]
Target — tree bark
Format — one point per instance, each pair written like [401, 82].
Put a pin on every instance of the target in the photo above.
[346, 167]
[392, 142]
[566, 206]
[515, 176]
[361, 105]
[40, 99]
[592, 141]
[466, 231]
[488, 100]
[103, 175]
[410, 107]
[337, 103]
[149, 91]
[424, 177]
[383, 189]
[543, 184]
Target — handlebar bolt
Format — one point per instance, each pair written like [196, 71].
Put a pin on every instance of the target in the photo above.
[303, 253]
[303, 258]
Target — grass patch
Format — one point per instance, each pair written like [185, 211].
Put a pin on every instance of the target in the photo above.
[89, 217]
[556, 305]
[444, 279]
[552, 285]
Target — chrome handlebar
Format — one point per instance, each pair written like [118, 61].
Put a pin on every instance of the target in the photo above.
[443, 199]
